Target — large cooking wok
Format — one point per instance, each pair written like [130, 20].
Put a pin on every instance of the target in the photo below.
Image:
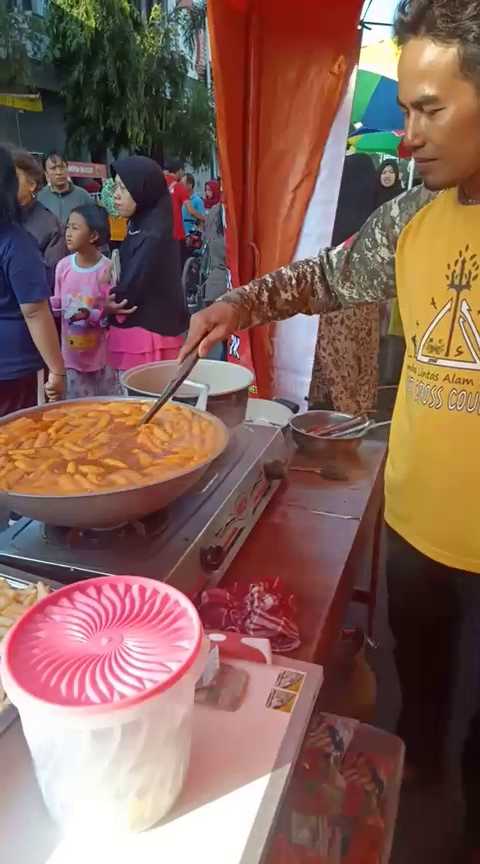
[105, 509]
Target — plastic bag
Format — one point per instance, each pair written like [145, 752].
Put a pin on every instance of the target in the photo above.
[265, 610]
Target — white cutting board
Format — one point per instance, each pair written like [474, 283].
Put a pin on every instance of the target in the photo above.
[240, 766]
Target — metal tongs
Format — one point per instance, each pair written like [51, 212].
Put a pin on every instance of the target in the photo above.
[360, 423]
[183, 371]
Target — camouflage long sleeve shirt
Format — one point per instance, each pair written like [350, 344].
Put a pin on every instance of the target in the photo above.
[360, 272]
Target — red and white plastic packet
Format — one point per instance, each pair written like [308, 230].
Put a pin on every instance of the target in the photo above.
[265, 611]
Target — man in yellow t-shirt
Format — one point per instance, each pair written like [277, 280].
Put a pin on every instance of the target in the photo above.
[424, 249]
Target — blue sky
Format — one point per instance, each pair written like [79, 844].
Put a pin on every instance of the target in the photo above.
[380, 10]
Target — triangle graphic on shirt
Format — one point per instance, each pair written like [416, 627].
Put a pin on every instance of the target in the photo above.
[452, 340]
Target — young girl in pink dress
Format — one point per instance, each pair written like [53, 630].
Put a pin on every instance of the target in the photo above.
[82, 288]
[149, 299]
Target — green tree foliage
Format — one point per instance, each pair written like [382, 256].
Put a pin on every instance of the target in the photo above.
[125, 81]
[22, 42]
[178, 111]
[165, 71]
[190, 130]
[96, 47]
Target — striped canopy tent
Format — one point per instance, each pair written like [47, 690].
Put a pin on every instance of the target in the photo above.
[281, 70]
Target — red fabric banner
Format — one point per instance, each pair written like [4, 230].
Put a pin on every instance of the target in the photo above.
[280, 70]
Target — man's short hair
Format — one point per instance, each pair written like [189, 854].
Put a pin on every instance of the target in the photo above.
[446, 22]
[174, 165]
[190, 179]
[54, 156]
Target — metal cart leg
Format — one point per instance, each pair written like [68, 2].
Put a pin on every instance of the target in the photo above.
[368, 596]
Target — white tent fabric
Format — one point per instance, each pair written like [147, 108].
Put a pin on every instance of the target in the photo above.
[295, 339]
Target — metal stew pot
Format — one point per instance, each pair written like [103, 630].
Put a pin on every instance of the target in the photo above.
[225, 386]
[105, 509]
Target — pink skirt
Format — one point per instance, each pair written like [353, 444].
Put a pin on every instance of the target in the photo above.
[134, 346]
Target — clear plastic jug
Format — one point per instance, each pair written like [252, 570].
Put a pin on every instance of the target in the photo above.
[103, 674]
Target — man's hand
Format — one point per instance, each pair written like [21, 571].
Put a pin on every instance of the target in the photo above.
[212, 325]
[55, 386]
[114, 308]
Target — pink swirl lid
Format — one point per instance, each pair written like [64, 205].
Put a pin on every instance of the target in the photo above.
[102, 644]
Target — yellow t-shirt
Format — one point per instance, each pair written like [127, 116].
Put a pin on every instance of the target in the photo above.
[433, 470]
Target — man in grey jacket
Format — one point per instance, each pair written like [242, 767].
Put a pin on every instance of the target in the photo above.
[60, 195]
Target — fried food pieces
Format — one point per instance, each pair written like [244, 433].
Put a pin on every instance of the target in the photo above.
[99, 447]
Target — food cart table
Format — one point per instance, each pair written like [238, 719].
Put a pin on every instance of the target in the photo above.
[241, 765]
[316, 536]
[320, 537]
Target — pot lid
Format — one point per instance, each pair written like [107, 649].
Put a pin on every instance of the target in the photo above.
[102, 644]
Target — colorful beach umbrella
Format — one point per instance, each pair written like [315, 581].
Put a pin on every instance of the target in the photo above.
[381, 57]
[375, 103]
[388, 143]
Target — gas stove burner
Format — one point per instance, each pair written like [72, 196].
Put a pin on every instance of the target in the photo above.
[102, 538]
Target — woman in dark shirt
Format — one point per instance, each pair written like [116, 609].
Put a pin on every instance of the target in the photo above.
[28, 336]
[39, 222]
[357, 197]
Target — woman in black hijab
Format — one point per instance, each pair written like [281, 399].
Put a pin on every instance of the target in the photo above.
[389, 185]
[151, 312]
[356, 200]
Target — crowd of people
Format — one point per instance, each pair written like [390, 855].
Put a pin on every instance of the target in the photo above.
[117, 311]
[114, 310]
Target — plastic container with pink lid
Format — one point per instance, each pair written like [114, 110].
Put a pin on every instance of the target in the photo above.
[103, 674]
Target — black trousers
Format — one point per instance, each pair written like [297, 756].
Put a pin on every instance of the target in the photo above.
[434, 615]
[184, 253]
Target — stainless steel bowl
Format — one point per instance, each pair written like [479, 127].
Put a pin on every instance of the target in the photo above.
[331, 447]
